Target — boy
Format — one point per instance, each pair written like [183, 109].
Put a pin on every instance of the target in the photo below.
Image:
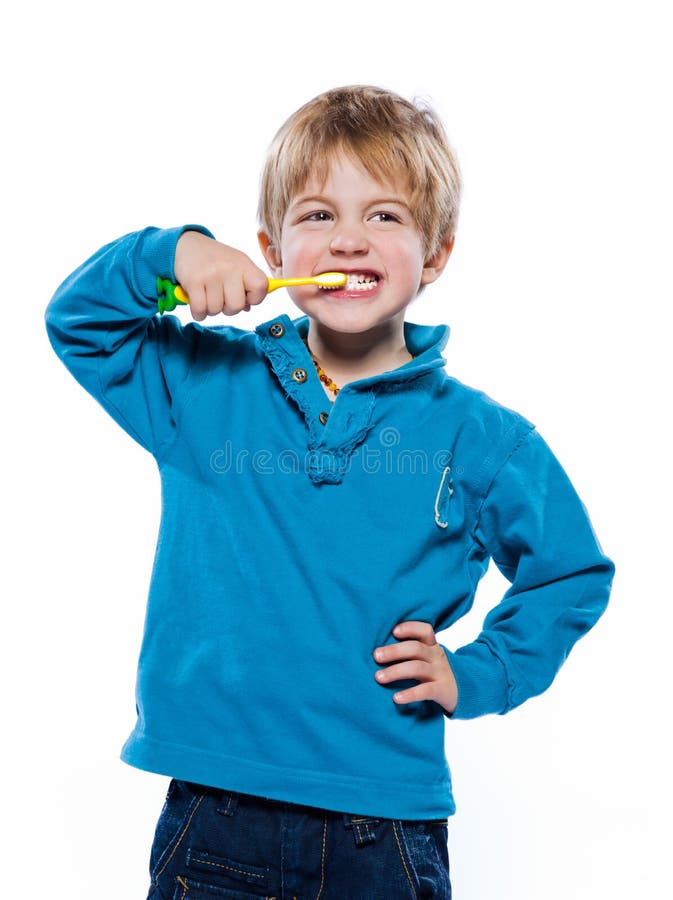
[340, 496]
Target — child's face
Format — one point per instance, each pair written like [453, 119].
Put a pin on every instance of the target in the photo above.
[357, 225]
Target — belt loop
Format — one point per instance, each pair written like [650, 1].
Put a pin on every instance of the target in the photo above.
[228, 803]
[364, 828]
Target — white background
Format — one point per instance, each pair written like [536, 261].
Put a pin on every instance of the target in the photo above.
[558, 295]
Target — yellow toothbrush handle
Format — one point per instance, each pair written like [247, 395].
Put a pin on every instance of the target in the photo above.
[275, 283]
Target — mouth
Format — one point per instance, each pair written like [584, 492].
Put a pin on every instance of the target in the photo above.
[357, 282]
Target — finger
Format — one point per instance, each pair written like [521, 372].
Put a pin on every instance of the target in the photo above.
[413, 668]
[198, 306]
[404, 650]
[234, 297]
[214, 297]
[424, 691]
[422, 631]
[256, 287]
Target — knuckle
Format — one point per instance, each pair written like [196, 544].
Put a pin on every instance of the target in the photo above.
[260, 281]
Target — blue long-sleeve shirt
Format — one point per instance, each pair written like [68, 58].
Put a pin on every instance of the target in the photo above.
[296, 533]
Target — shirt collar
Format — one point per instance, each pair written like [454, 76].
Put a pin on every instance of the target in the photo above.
[424, 342]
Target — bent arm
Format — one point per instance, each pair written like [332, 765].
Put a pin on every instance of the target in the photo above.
[102, 323]
[536, 529]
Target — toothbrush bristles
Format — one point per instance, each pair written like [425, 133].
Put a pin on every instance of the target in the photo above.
[332, 280]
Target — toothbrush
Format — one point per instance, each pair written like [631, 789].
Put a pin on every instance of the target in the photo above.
[326, 280]
[169, 295]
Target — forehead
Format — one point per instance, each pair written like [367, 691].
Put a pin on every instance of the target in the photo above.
[347, 174]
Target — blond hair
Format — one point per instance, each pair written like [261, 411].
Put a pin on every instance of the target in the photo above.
[389, 136]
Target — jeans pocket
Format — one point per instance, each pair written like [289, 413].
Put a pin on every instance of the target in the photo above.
[424, 849]
[189, 889]
[182, 801]
[219, 870]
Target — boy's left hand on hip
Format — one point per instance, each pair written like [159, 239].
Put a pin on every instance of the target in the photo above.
[418, 656]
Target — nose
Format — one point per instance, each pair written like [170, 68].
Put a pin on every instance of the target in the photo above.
[349, 239]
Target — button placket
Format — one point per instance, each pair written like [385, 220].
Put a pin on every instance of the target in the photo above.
[293, 366]
[331, 447]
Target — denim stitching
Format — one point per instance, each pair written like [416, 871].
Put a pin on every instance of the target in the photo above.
[404, 862]
[184, 886]
[225, 811]
[364, 830]
[367, 835]
[207, 862]
[179, 840]
[322, 860]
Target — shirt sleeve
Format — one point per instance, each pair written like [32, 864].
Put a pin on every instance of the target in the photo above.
[103, 324]
[537, 531]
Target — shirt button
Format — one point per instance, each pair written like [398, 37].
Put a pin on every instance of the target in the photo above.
[300, 375]
[277, 330]
[323, 417]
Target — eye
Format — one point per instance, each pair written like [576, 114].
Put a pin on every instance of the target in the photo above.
[319, 216]
[385, 217]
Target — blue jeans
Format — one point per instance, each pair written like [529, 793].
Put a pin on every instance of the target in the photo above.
[211, 843]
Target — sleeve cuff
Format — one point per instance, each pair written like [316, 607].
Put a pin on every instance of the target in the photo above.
[482, 681]
[157, 256]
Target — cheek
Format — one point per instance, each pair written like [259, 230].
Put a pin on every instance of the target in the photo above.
[405, 252]
[408, 265]
[297, 251]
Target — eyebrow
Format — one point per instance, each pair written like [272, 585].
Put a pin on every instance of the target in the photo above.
[378, 201]
[299, 200]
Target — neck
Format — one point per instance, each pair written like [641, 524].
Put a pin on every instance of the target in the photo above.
[346, 357]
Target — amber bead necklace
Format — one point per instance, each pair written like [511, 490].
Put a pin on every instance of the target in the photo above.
[322, 375]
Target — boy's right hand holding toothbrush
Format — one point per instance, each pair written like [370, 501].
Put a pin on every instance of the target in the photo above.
[217, 278]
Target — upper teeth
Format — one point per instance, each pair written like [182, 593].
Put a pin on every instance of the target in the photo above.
[356, 281]
[360, 281]
[361, 277]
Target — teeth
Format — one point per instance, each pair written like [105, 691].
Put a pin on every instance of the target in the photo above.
[360, 281]
[361, 278]
[356, 281]
[360, 285]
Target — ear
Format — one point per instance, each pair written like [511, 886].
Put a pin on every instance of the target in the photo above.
[435, 264]
[271, 253]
